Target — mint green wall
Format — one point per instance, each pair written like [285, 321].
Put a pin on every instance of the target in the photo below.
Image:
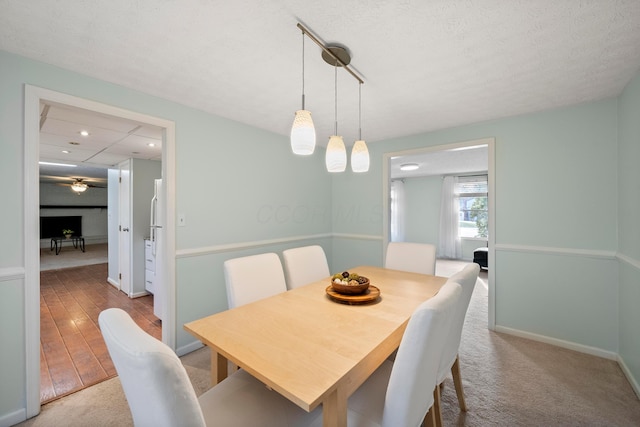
[234, 184]
[422, 220]
[555, 174]
[629, 226]
[556, 181]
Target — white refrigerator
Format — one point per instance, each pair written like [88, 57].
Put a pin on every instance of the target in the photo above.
[157, 242]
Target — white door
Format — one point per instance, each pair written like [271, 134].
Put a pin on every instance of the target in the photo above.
[124, 235]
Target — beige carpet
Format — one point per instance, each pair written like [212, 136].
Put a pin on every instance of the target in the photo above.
[71, 257]
[508, 381]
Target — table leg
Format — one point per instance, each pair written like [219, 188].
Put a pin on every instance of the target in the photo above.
[82, 243]
[334, 410]
[218, 367]
[58, 248]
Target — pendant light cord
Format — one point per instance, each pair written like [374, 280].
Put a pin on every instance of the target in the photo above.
[360, 111]
[336, 98]
[303, 70]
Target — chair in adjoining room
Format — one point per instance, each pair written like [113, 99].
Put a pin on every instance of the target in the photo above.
[412, 257]
[254, 277]
[401, 393]
[305, 265]
[160, 394]
[467, 278]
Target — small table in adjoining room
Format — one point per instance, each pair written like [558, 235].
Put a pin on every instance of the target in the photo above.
[56, 242]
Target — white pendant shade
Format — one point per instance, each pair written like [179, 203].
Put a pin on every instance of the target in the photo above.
[360, 157]
[303, 134]
[336, 157]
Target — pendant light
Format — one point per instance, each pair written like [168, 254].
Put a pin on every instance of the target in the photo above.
[336, 155]
[359, 152]
[303, 133]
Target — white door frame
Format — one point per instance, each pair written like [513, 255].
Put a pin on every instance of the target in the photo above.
[491, 173]
[33, 96]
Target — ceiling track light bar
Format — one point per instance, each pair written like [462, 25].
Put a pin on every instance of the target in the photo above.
[328, 51]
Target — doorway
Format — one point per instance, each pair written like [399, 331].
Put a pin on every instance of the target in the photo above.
[34, 96]
[448, 158]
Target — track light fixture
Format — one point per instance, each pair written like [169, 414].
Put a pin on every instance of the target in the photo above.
[336, 154]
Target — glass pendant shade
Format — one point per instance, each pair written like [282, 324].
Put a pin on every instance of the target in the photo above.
[303, 134]
[360, 157]
[336, 157]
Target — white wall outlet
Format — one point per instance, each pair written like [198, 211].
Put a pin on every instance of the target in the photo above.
[182, 220]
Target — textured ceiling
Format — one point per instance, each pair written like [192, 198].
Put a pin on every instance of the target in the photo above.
[426, 64]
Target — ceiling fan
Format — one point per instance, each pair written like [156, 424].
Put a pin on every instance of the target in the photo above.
[79, 185]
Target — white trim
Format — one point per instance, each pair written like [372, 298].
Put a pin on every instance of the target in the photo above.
[230, 247]
[192, 346]
[12, 273]
[632, 262]
[33, 95]
[589, 253]
[13, 418]
[629, 375]
[357, 236]
[491, 170]
[113, 283]
[594, 351]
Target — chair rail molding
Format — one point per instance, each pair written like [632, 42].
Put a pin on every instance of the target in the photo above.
[11, 273]
[231, 247]
[590, 253]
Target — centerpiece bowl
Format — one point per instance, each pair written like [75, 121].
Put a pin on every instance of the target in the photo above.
[351, 288]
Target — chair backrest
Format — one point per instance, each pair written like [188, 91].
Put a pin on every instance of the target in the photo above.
[154, 380]
[412, 257]
[467, 278]
[254, 277]
[415, 369]
[305, 265]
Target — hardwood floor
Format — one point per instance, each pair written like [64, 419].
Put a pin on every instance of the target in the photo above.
[73, 354]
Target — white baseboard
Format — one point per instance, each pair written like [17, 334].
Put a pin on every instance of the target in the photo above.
[140, 294]
[13, 418]
[186, 349]
[627, 372]
[113, 283]
[594, 351]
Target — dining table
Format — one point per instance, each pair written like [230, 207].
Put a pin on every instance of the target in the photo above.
[312, 347]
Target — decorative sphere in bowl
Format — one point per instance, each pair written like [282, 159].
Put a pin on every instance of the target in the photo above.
[349, 283]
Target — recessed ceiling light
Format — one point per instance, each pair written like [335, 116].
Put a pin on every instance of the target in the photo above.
[66, 151]
[151, 144]
[409, 167]
[84, 133]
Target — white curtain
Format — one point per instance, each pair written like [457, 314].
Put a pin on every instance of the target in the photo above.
[397, 211]
[449, 242]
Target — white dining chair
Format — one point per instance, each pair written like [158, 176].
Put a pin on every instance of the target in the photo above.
[402, 393]
[160, 394]
[412, 257]
[467, 279]
[305, 265]
[254, 277]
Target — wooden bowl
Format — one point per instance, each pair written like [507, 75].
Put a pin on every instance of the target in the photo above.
[350, 289]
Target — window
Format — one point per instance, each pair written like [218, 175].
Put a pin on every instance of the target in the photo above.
[472, 195]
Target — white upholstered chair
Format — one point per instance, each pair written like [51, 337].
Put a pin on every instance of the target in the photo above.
[401, 393]
[412, 257]
[160, 393]
[467, 278]
[305, 265]
[254, 277]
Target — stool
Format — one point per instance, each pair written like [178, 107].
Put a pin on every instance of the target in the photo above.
[481, 256]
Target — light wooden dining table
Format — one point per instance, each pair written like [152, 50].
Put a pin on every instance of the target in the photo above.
[310, 348]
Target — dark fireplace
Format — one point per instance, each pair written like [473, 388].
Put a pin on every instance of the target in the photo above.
[52, 226]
